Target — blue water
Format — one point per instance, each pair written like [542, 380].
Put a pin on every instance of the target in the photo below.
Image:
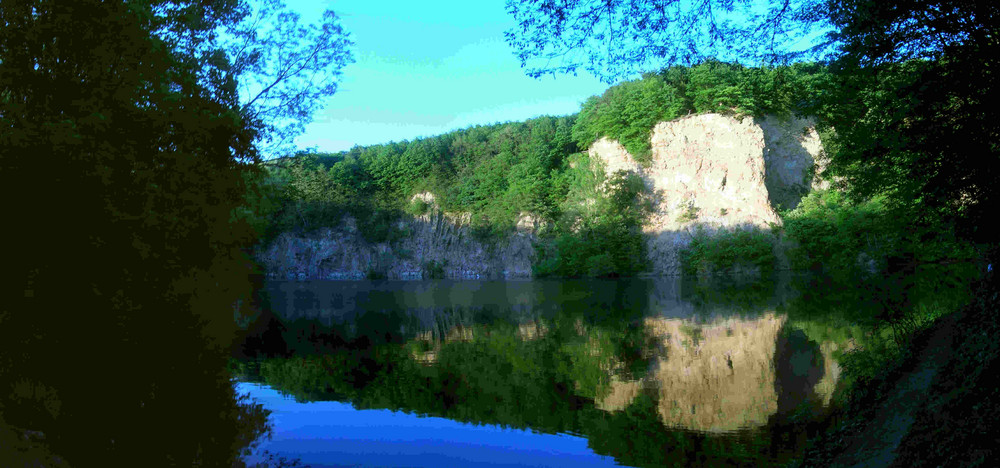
[334, 434]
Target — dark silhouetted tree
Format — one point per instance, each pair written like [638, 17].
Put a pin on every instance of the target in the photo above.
[913, 112]
[124, 156]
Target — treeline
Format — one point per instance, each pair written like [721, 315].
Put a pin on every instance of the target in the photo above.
[627, 112]
[592, 226]
[591, 223]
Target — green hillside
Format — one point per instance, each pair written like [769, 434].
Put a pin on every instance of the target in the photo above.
[538, 167]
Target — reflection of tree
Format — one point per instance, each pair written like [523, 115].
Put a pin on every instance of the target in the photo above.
[798, 367]
[551, 374]
[731, 295]
[635, 436]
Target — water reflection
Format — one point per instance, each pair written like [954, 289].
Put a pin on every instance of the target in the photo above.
[652, 372]
[335, 434]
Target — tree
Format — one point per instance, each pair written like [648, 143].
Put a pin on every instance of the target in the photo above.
[912, 108]
[124, 156]
[285, 68]
[613, 39]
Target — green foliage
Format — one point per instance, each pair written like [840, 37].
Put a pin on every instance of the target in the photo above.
[628, 111]
[912, 111]
[434, 270]
[310, 196]
[728, 250]
[374, 274]
[690, 213]
[601, 233]
[837, 236]
[497, 172]
[418, 207]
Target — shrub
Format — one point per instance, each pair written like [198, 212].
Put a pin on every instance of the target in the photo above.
[726, 250]
[605, 238]
[434, 269]
[418, 207]
[833, 234]
[690, 213]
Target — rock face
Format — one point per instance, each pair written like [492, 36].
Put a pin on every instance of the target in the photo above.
[708, 171]
[439, 237]
[713, 171]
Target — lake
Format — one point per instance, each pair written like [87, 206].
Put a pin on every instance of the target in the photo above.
[633, 372]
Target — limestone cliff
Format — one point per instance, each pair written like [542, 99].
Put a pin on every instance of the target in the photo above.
[714, 171]
[443, 238]
[709, 171]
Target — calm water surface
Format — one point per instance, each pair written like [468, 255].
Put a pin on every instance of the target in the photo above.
[639, 372]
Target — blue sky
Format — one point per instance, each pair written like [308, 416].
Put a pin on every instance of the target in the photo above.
[426, 68]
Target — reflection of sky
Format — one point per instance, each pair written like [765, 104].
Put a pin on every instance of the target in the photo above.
[329, 434]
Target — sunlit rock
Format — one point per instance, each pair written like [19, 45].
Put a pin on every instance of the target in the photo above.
[532, 330]
[713, 171]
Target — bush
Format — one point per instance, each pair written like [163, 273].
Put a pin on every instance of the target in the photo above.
[836, 236]
[434, 270]
[725, 251]
[418, 207]
[603, 240]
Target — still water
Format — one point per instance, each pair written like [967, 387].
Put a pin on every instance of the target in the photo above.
[638, 372]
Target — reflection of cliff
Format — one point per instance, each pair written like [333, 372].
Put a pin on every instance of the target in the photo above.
[726, 375]
[722, 382]
[831, 373]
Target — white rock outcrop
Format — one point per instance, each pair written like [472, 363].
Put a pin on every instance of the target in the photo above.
[714, 171]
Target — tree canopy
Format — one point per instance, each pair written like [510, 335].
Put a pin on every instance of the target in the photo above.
[614, 39]
[285, 68]
[125, 152]
[912, 109]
